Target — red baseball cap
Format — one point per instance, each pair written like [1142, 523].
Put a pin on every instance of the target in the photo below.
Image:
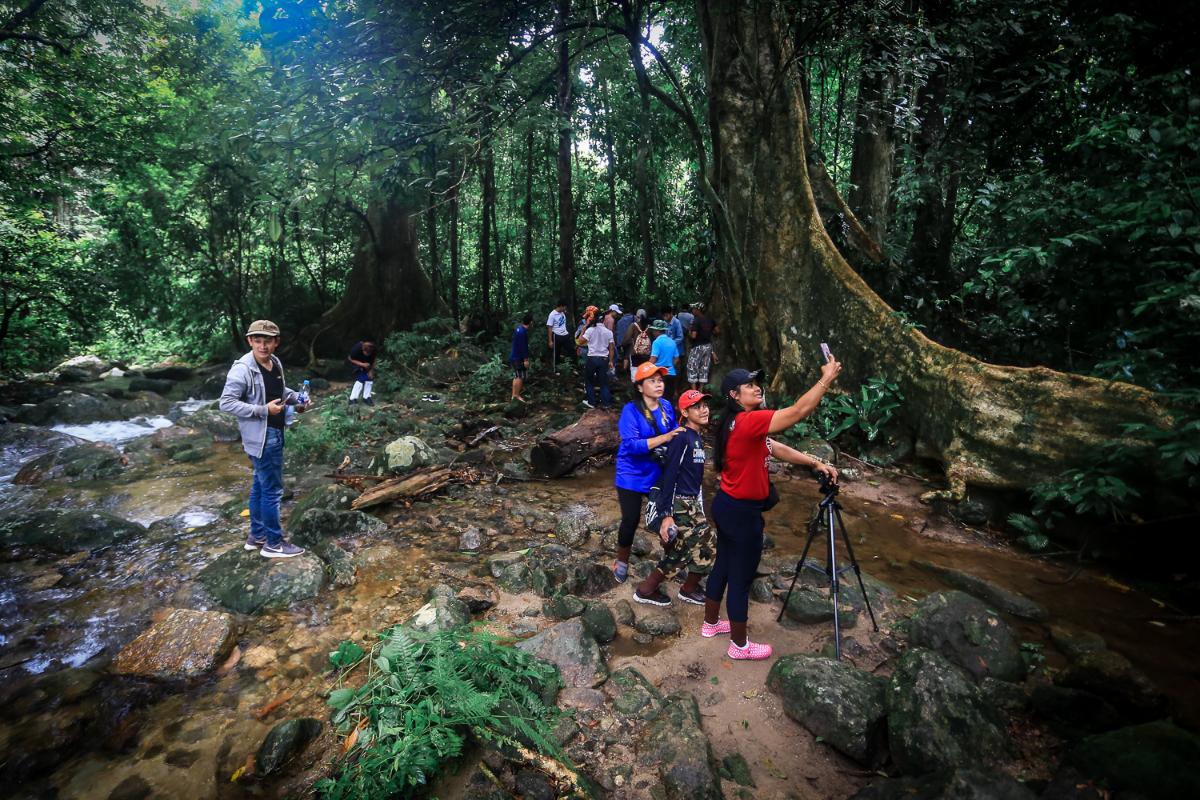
[690, 398]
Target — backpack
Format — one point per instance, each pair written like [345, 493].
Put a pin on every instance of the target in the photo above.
[641, 345]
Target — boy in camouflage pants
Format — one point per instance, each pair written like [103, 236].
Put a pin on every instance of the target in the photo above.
[687, 537]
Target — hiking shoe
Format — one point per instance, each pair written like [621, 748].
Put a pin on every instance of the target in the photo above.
[281, 550]
[353, 402]
[656, 599]
[709, 631]
[586, 404]
[254, 544]
[620, 571]
[694, 597]
[370, 401]
[751, 652]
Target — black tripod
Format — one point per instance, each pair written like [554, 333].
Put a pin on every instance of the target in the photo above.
[829, 512]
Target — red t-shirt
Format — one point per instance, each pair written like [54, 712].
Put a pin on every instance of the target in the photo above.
[745, 474]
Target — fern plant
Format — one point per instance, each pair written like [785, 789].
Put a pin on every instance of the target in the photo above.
[424, 696]
[869, 410]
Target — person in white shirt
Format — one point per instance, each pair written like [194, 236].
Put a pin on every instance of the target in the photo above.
[601, 357]
[557, 338]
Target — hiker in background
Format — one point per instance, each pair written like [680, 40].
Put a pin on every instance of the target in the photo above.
[674, 328]
[518, 356]
[700, 356]
[610, 318]
[362, 358]
[558, 341]
[637, 339]
[597, 342]
[619, 332]
[664, 353]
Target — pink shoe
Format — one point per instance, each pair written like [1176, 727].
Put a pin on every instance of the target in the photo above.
[709, 631]
[751, 652]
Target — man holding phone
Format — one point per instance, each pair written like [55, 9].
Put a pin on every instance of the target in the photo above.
[256, 394]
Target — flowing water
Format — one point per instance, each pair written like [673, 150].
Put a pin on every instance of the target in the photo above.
[64, 618]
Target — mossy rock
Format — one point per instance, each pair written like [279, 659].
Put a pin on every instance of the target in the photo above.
[969, 634]
[1157, 760]
[245, 582]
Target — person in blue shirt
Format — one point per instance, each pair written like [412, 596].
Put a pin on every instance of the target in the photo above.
[664, 353]
[688, 539]
[647, 422]
[518, 356]
[674, 328]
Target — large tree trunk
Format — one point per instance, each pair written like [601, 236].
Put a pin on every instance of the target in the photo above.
[782, 288]
[387, 289]
[566, 204]
[487, 186]
[593, 434]
[874, 140]
[643, 163]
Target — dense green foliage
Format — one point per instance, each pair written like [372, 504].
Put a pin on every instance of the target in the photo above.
[424, 696]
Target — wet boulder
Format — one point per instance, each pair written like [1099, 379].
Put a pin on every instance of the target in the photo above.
[156, 385]
[562, 606]
[995, 596]
[89, 462]
[66, 532]
[245, 582]
[81, 369]
[600, 622]
[184, 644]
[807, 606]
[318, 525]
[72, 408]
[169, 372]
[284, 741]
[966, 783]
[182, 444]
[17, 439]
[687, 767]
[330, 497]
[969, 634]
[408, 453]
[221, 426]
[572, 649]
[443, 612]
[1073, 642]
[834, 700]
[878, 592]
[1111, 676]
[1156, 760]
[658, 622]
[937, 718]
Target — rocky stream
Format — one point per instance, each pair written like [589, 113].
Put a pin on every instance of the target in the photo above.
[144, 653]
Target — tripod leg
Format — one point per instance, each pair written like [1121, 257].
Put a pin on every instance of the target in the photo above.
[833, 585]
[857, 571]
[812, 532]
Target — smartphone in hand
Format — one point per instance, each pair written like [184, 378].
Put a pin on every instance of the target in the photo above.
[828, 356]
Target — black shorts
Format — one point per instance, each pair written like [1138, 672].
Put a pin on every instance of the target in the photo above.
[519, 369]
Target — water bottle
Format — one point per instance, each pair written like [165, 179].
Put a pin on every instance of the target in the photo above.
[289, 412]
[302, 397]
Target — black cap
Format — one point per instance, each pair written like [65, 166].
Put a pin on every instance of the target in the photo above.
[737, 377]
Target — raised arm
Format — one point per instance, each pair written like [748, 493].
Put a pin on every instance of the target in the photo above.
[807, 403]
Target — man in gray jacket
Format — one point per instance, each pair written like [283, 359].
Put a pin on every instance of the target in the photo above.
[256, 394]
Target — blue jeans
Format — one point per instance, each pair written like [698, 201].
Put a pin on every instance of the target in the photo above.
[267, 490]
[597, 372]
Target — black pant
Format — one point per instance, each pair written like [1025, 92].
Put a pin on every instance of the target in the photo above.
[564, 349]
[739, 548]
[631, 515]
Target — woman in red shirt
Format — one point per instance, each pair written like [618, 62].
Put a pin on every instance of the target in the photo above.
[742, 451]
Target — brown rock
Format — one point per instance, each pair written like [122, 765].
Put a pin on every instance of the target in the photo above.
[185, 644]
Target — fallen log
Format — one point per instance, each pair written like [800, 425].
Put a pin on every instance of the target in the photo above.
[595, 433]
[407, 487]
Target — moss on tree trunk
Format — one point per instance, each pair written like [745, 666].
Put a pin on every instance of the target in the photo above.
[783, 287]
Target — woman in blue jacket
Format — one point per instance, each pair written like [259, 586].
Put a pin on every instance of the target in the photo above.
[647, 422]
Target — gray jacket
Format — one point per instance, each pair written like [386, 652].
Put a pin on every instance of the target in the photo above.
[245, 397]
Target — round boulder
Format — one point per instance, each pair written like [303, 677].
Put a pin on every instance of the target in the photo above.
[407, 453]
[967, 632]
[245, 582]
[185, 644]
[66, 532]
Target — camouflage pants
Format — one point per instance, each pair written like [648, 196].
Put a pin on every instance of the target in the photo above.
[696, 547]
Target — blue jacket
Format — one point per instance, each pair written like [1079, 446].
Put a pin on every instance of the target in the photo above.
[636, 470]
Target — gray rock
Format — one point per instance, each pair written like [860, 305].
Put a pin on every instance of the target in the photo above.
[499, 562]
[995, 596]
[735, 767]
[879, 592]
[66, 532]
[657, 623]
[318, 525]
[156, 385]
[221, 426]
[283, 741]
[169, 372]
[1005, 695]
[533, 785]
[573, 525]
[339, 564]
[1112, 677]
[515, 578]
[72, 407]
[623, 612]
[572, 649]
[87, 462]
[810, 608]
[967, 783]
[834, 700]
[1156, 761]
[964, 630]
[686, 765]
[937, 717]
[471, 539]
[330, 497]
[563, 606]
[633, 694]
[185, 644]
[245, 582]
[443, 612]
[1074, 643]
[761, 591]
[600, 622]
[971, 512]
[407, 453]
[83, 368]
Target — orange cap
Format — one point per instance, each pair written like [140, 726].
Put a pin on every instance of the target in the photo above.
[647, 369]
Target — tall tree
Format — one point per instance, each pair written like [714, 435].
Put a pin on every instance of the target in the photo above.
[871, 165]
[564, 104]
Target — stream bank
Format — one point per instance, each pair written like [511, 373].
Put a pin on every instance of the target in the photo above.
[77, 723]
